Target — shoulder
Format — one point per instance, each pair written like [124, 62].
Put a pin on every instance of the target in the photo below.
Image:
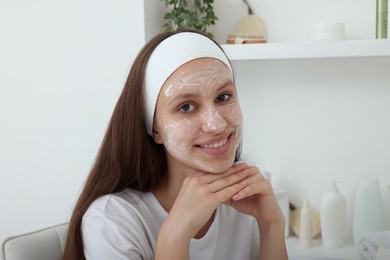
[121, 200]
[114, 226]
[119, 206]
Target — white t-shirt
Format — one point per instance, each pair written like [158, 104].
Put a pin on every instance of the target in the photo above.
[125, 225]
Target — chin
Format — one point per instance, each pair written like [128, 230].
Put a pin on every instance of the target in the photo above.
[216, 167]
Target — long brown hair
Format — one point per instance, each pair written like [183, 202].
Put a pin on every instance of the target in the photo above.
[128, 156]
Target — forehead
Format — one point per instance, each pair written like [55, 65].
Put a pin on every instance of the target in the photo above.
[201, 72]
[198, 68]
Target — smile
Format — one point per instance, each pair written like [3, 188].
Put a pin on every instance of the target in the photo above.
[216, 145]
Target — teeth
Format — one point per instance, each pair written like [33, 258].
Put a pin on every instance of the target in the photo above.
[216, 145]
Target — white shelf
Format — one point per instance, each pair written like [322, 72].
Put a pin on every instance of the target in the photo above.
[308, 50]
[347, 252]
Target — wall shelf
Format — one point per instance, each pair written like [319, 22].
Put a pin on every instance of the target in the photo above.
[308, 50]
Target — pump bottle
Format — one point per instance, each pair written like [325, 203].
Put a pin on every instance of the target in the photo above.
[333, 214]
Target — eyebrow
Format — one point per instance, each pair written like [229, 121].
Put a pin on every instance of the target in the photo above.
[191, 95]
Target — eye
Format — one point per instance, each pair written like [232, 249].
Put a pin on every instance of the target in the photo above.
[187, 108]
[223, 97]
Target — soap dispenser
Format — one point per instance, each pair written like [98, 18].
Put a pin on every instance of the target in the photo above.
[333, 214]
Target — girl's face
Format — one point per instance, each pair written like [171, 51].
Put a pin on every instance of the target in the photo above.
[198, 118]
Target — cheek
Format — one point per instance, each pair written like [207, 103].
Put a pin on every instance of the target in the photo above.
[232, 114]
[178, 135]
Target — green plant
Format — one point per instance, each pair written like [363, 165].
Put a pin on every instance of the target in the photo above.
[197, 15]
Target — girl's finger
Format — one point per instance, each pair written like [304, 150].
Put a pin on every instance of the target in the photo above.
[255, 171]
[211, 177]
[227, 181]
[253, 185]
[226, 194]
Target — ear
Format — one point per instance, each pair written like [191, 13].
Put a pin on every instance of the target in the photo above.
[156, 135]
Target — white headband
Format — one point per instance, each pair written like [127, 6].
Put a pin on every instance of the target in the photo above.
[168, 56]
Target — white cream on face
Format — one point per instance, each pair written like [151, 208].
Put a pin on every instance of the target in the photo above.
[212, 73]
[213, 120]
[211, 123]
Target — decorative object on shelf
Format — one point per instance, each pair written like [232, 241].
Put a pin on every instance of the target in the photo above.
[368, 211]
[296, 225]
[196, 15]
[250, 29]
[381, 19]
[327, 31]
[333, 217]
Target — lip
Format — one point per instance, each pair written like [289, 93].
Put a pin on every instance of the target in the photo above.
[226, 140]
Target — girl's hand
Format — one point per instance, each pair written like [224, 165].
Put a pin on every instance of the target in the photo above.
[256, 197]
[200, 195]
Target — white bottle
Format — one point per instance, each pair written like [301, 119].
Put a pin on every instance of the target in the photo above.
[333, 217]
[368, 212]
[306, 226]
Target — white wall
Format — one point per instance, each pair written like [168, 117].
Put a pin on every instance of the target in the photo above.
[62, 67]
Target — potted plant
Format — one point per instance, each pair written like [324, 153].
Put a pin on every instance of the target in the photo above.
[197, 15]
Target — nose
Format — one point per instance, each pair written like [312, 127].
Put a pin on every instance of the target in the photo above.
[212, 121]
